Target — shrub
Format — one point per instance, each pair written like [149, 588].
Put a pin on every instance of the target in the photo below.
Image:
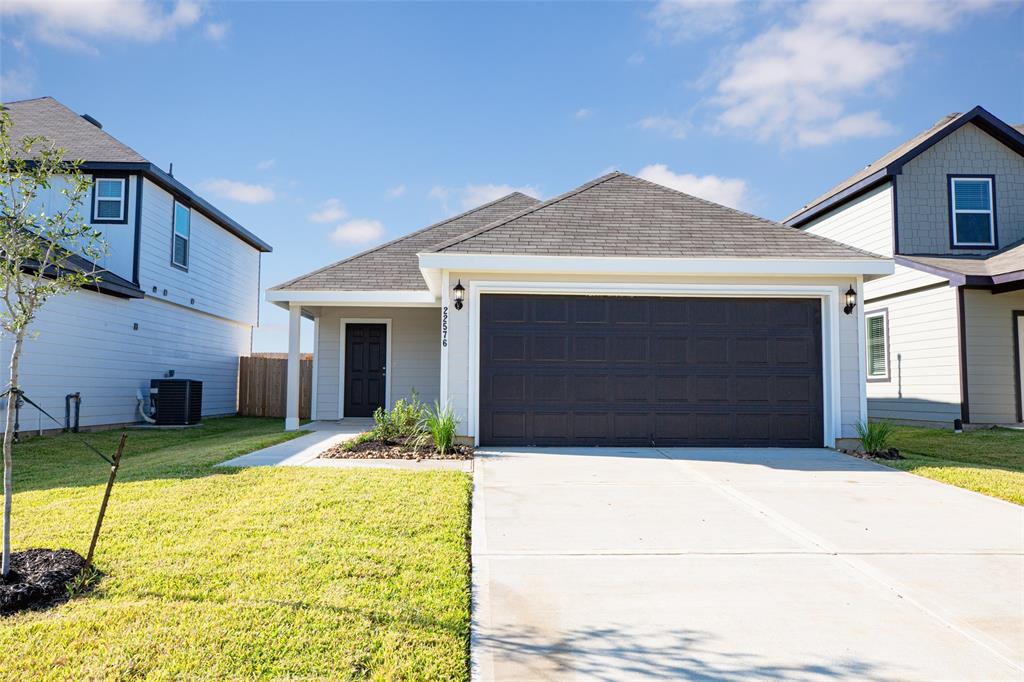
[439, 425]
[384, 430]
[403, 421]
[874, 436]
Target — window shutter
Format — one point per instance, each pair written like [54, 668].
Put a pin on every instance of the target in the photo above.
[877, 362]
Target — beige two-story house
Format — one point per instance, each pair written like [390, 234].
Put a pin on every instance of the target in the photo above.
[945, 332]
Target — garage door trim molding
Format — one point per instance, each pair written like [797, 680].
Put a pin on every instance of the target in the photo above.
[829, 296]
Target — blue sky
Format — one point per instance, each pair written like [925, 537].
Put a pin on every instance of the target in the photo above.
[327, 127]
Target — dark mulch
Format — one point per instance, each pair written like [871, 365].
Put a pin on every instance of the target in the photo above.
[891, 453]
[37, 579]
[375, 450]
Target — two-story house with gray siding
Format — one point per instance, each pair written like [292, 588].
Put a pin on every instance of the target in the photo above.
[945, 333]
[178, 290]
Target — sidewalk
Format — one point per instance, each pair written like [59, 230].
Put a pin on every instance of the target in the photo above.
[302, 451]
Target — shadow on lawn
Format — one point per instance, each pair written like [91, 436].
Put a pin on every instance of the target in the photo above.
[612, 653]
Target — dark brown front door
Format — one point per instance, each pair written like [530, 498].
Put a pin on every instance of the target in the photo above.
[622, 371]
[365, 357]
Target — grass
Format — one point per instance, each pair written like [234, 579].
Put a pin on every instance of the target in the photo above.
[241, 573]
[989, 461]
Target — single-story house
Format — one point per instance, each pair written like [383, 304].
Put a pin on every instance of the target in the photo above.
[619, 313]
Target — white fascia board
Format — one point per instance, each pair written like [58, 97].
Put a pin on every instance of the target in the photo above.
[462, 262]
[351, 298]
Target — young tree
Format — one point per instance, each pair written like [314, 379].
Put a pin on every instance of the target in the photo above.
[42, 235]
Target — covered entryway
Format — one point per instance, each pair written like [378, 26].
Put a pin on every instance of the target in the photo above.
[647, 370]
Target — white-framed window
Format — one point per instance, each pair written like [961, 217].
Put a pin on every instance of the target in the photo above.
[181, 235]
[971, 211]
[877, 324]
[109, 200]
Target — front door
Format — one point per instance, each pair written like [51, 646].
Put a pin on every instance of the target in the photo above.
[365, 358]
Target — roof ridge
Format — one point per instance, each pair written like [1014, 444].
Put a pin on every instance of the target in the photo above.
[519, 214]
[396, 240]
[29, 99]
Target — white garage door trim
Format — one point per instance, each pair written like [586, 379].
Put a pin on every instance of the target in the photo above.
[829, 296]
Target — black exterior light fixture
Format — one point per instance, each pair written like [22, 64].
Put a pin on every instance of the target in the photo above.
[851, 300]
[460, 294]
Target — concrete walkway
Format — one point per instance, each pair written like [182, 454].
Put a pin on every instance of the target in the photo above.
[305, 451]
[738, 564]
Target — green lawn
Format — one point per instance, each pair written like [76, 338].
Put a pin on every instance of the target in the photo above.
[278, 572]
[989, 461]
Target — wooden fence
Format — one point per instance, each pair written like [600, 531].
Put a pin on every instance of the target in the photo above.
[263, 384]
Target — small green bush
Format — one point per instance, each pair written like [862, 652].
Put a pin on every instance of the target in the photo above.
[400, 422]
[439, 425]
[874, 436]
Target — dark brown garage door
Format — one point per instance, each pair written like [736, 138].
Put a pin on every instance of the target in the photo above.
[608, 370]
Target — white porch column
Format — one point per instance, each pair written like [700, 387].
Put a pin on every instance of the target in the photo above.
[291, 420]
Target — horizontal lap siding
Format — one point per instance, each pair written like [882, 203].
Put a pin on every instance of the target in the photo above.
[990, 374]
[86, 344]
[924, 382]
[864, 222]
[415, 350]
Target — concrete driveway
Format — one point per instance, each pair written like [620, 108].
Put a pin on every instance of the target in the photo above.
[738, 564]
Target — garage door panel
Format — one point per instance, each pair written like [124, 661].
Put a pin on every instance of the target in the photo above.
[629, 371]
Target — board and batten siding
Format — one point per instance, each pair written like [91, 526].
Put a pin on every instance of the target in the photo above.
[864, 223]
[415, 354]
[924, 367]
[991, 377]
[87, 343]
[850, 388]
[223, 271]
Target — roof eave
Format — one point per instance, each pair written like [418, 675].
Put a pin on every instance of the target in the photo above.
[852, 192]
[284, 298]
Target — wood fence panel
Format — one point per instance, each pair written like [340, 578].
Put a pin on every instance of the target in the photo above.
[263, 385]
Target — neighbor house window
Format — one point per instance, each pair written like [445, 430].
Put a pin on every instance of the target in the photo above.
[182, 220]
[878, 344]
[109, 200]
[973, 218]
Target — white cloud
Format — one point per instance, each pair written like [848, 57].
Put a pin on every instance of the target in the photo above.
[726, 191]
[17, 82]
[396, 191]
[636, 59]
[679, 20]
[676, 128]
[796, 80]
[583, 113]
[72, 24]
[358, 231]
[266, 164]
[217, 30]
[331, 211]
[239, 191]
[477, 195]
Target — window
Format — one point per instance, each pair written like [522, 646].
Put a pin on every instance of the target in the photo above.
[109, 200]
[972, 215]
[179, 249]
[878, 345]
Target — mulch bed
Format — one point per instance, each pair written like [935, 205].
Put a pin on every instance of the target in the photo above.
[37, 579]
[891, 453]
[374, 450]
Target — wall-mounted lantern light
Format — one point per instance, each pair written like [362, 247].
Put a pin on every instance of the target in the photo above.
[460, 294]
[851, 300]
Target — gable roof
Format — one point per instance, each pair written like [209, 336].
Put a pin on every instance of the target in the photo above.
[100, 151]
[999, 267]
[394, 266]
[618, 215]
[892, 162]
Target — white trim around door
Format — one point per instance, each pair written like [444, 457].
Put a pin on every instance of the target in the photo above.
[386, 321]
[828, 294]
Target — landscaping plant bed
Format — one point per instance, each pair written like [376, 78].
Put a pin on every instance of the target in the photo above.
[39, 579]
[891, 453]
[369, 449]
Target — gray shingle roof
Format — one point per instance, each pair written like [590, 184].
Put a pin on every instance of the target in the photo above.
[1005, 264]
[80, 139]
[621, 215]
[394, 266]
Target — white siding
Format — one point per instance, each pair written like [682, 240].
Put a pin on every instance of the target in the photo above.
[990, 370]
[415, 354]
[924, 376]
[904, 279]
[86, 344]
[223, 273]
[851, 385]
[864, 222]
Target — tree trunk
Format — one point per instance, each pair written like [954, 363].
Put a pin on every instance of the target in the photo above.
[12, 400]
